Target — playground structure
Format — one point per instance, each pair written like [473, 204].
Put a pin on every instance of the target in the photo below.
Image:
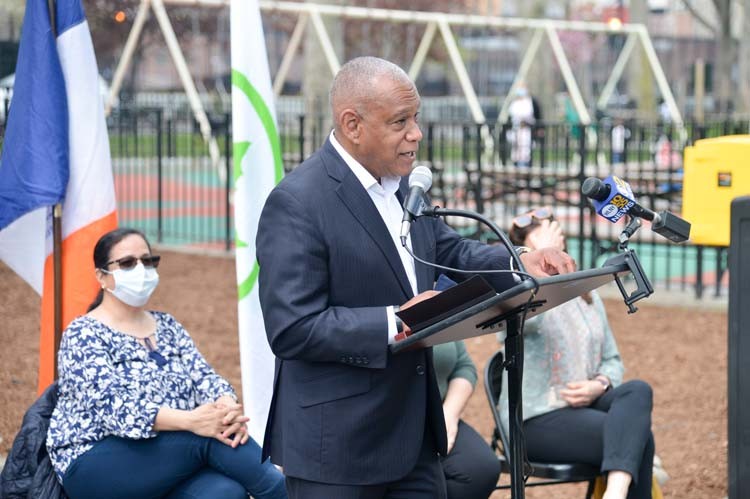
[434, 22]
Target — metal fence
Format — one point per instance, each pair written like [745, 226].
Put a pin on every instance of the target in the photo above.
[165, 181]
[167, 185]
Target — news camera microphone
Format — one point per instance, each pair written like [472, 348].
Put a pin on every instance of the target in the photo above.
[420, 182]
[613, 199]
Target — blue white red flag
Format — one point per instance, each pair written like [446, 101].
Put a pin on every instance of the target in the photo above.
[55, 150]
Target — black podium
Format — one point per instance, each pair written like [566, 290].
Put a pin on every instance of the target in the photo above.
[476, 310]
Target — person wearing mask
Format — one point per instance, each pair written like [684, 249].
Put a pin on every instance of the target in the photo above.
[140, 413]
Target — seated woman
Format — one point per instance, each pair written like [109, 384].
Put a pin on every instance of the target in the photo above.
[471, 468]
[140, 412]
[575, 406]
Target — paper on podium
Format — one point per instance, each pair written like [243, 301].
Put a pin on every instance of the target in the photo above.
[472, 308]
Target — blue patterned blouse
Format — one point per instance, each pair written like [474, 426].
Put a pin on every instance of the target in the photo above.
[109, 385]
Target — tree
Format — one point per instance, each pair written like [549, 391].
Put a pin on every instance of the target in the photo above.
[640, 81]
[726, 46]
[744, 58]
[11, 14]
[109, 34]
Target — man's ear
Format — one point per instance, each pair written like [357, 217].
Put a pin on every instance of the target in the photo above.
[350, 123]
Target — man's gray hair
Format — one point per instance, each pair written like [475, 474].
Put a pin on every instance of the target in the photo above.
[353, 84]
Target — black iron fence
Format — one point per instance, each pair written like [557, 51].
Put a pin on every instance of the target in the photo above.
[168, 184]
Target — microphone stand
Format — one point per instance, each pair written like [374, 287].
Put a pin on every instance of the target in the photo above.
[513, 357]
[437, 211]
[513, 363]
[628, 256]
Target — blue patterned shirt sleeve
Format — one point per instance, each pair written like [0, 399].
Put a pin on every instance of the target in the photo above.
[118, 407]
[208, 384]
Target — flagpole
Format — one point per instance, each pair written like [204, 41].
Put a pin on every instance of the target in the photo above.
[57, 264]
[56, 238]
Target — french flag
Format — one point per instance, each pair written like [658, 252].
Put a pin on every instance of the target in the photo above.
[55, 150]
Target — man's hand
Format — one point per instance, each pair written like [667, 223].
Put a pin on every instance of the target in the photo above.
[424, 295]
[545, 262]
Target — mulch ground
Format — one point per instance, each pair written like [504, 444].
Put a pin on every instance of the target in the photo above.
[680, 351]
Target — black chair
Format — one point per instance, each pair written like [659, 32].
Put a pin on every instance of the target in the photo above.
[547, 473]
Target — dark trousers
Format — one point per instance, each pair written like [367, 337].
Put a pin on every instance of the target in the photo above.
[471, 468]
[424, 481]
[174, 464]
[614, 433]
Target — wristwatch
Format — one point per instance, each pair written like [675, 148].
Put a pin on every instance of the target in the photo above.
[604, 381]
[520, 250]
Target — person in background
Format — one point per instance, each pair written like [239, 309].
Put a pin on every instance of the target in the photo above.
[521, 109]
[140, 413]
[521, 140]
[471, 468]
[521, 114]
[619, 135]
[575, 406]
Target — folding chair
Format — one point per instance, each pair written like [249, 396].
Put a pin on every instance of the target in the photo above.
[547, 473]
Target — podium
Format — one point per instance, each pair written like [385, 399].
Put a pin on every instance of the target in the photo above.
[476, 310]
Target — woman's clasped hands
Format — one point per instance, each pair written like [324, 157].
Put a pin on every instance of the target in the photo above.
[223, 420]
[582, 393]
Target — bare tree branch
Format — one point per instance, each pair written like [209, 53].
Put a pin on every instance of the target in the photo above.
[698, 16]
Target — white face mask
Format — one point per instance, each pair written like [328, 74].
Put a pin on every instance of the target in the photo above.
[134, 286]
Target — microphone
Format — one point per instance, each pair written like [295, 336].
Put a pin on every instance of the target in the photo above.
[420, 182]
[613, 199]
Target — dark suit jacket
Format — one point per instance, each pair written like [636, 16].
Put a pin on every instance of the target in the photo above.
[344, 409]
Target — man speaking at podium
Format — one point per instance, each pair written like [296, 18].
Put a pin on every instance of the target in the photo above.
[349, 419]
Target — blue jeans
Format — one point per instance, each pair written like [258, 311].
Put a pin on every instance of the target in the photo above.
[174, 464]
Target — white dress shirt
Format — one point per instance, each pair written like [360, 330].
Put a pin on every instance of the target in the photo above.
[383, 194]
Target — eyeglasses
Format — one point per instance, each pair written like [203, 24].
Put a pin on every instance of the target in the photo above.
[129, 262]
[522, 221]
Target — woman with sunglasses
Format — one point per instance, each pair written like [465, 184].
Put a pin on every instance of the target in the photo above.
[575, 406]
[140, 412]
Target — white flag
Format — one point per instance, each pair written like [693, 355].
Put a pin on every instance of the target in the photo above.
[257, 169]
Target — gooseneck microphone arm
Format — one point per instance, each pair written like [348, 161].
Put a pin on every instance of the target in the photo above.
[436, 211]
[633, 225]
[417, 204]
